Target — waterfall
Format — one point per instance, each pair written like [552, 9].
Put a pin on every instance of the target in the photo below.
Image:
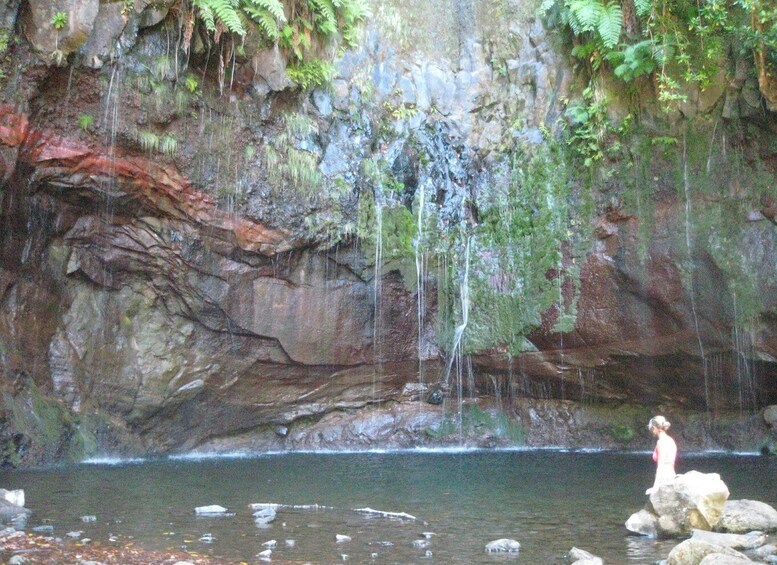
[688, 247]
[743, 351]
[378, 293]
[420, 271]
[456, 348]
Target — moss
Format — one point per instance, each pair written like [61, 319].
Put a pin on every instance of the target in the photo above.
[524, 257]
[41, 429]
[475, 421]
[622, 433]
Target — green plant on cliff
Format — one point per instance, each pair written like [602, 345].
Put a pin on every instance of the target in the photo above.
[298, 27]
[675, 41]
[59, 20]
[85, 122]
[525, 266]
[288, 165]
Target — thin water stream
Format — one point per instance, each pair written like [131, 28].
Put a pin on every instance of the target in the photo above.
[549, 501]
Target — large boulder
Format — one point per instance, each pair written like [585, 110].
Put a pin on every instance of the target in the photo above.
[741, 516]
[691, 501]
[78, 22]
[693, 551]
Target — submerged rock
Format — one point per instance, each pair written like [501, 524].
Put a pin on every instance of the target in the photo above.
[213, 509]
[264, 516]
[503, 545]
[579, 556]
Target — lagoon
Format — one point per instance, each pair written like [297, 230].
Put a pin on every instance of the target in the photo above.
[548, 500]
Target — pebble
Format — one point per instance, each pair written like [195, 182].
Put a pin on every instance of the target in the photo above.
[340, 538]
[89, 518]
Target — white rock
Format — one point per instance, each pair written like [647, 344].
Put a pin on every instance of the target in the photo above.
[88, 518]
[212, 509]
[503, 545]
[421, 543]
[13, 496]
[290, 543]
[271, 543]
[264, 515]
[582, 557]
[264, 555]
[340, 538]
[692, 500]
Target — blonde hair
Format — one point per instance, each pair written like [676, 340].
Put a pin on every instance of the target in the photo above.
[659, 422]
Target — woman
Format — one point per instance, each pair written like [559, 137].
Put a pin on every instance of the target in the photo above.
[664, 454]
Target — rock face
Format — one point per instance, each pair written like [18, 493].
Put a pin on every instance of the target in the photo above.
[692, 501]
[188, 262]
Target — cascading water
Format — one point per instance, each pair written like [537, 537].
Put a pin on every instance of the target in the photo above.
[378, 291]
[420, 269]
[691, 289]
[456, 356]
[743, 351]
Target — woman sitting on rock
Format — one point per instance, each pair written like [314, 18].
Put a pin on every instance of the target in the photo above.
[664, 454]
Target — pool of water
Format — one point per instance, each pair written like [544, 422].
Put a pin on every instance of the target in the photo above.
[549, 501]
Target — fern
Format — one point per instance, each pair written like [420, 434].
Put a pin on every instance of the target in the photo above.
[643, 7]
[324, 16]
[610, 24]
[586, 15]
[353, 13]
[265, 20]
[225, 12]
[272, 7]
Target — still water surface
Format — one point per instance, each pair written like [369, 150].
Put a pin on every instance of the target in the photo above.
[549, 501]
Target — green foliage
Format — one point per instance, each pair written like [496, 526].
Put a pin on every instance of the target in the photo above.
[4, 39]
[311, 73]
[589, 126]
[635, 60]
[622, 433]
[475, 421]
[518, 269]
[679, 41]
[191, 83]
[168, 145]
[85, 122]
[268, 14]
[148, 141]
[224, 12]
[287, 165]
[59, 20]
